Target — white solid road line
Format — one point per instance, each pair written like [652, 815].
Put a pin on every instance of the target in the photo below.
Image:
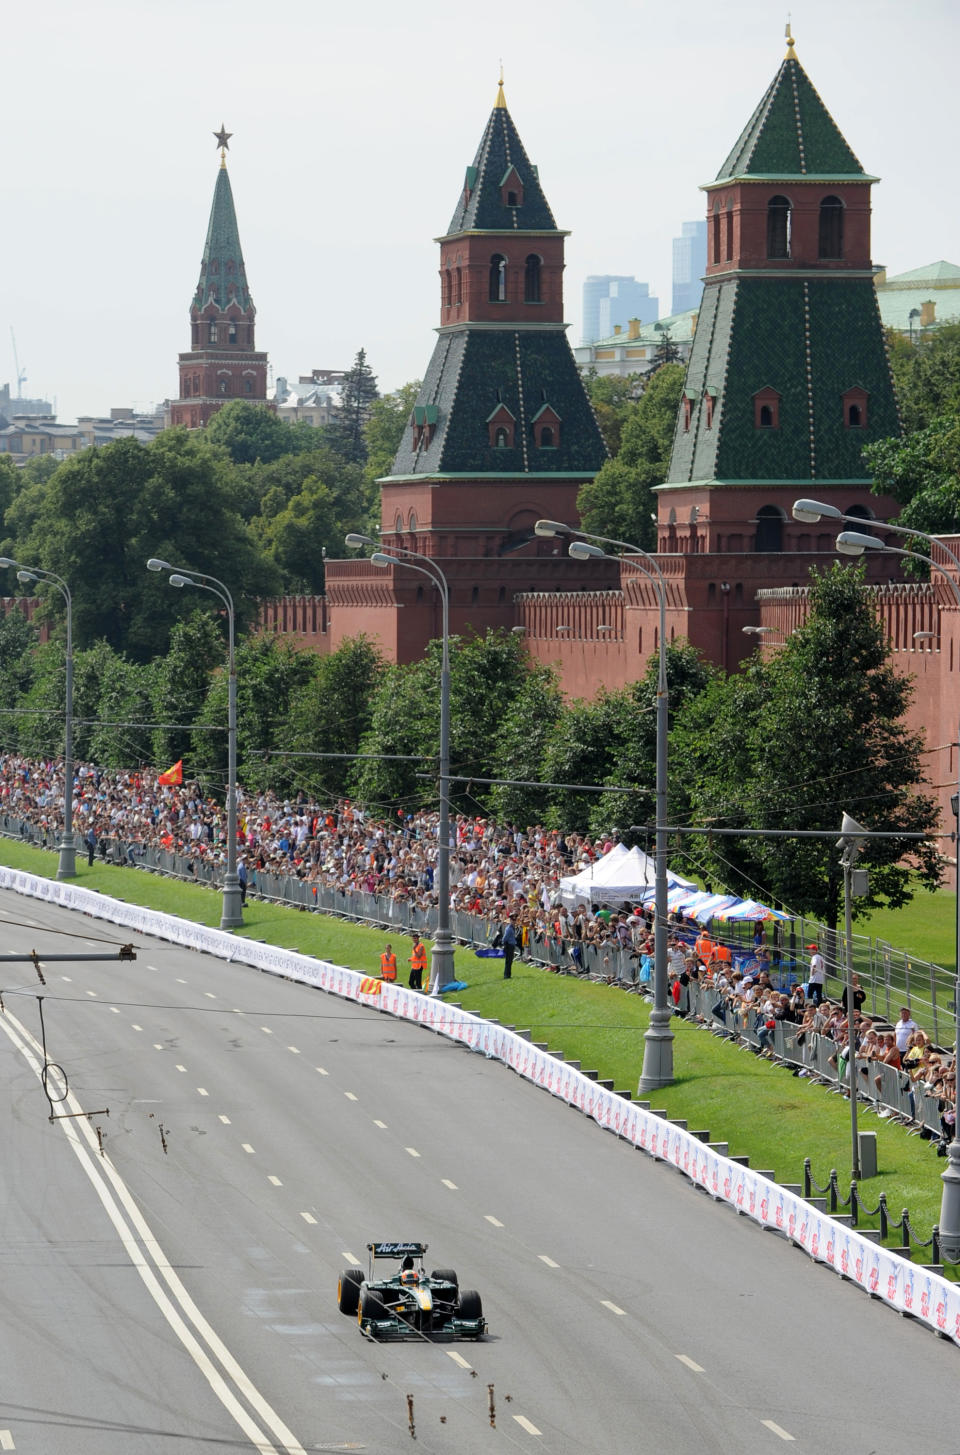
[690, 1363]
[155, 1269]
[294, 1049]
[322, 1072]
[181, 1068]
[549, 1261]
[458, 1359]
[613, 1308]
[527, 1425]
[778, 1430]
[491, 1219]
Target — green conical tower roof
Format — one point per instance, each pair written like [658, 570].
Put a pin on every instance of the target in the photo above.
[791, 134]
[223, 278]
[481, 206]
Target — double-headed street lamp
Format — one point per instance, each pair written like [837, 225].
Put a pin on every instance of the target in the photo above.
[658, 1040]
[67, 864]
[441, 960]
[232, 909]
[855, 543]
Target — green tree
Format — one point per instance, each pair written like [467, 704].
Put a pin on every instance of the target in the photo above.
[816, 731]
[612, 398]
[330, 713]
[619, 501]
[528, 718]
[104, 512]
[922, 471]
[388, 418]
[249, 432]
[181, 682]
[358, 392]
[927, 376]
[18, 641]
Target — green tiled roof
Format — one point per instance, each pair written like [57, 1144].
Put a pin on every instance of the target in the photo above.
[791, 134]
[472, 373]
[808, 339]
[223, 277]
[480, 205]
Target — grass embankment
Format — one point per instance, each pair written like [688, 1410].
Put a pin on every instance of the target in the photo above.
[758, 1108]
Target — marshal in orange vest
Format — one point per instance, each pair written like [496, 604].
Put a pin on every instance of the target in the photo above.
[388, 964]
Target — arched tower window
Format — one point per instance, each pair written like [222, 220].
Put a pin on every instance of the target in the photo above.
[716, 232]
[447, 288]
[458, 277]
[412, 522]
[769, 537]
[213, 333]
[728, 232]
[498, 278]
[531, 279]
[778, 227]
[830, 240]
[398, 524]
[854, 402]
[232, 334]
[248, 386]
[501, 439]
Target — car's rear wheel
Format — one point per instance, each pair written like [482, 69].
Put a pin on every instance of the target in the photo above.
[348, 1290]
[370, 1307]
[470, 1305]
[445, 1275]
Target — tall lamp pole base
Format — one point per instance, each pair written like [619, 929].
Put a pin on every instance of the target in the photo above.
[67, 864]
[657, 1052]
[231, 914]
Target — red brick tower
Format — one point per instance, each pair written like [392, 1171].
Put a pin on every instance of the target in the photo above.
[502, 432]
[222, 363]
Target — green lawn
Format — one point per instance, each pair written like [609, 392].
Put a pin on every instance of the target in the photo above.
[927, 927]
[760, 1109]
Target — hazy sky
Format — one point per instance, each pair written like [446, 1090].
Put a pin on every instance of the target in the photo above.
[352, 128]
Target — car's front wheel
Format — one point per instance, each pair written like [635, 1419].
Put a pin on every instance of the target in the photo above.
[470, 1304]
[370, 1308]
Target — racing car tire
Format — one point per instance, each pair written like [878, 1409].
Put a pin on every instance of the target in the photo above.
[470, 1304]
[370, 1307]
[348, 1290]
[445, 1275]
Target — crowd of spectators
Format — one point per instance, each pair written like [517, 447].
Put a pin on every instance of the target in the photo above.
[498, 872]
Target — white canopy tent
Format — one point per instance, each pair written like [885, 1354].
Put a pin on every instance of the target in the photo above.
[622, 876]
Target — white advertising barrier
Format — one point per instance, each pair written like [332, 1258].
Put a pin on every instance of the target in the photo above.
[882, 1273]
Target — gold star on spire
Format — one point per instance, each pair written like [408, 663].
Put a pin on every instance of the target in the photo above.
[223, 142]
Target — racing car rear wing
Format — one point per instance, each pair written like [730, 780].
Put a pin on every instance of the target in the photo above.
[396, 1250]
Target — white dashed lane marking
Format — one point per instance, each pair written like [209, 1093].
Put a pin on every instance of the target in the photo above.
[307, 1218]
[92, 992]
[266, 1030]
[181, 1068]
[201, 1091]
[275, 1180]
[209, 994]
[66, 979]
[157, 1046]
[350, 1096]
[322, 1072]
[457, 1358]
[526, 1424]
[413, 1151]
[491, 1219]
[294, 1049]
[225, 1120]
[135, 1027]
[180, 982]
[614, 1309]
[776, 1430]
[447, 1183]
[382, 1125]
[247, 1147]
[6, 1440]
[114, 1009]
[354, 1262]
[549, 1262]
[685, 1359]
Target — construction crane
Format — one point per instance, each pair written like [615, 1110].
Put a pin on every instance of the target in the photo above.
[21, 373]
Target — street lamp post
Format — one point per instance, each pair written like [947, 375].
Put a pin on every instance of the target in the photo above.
[231, 914]
[441, 959]
[67, 862]
[851, 843]
[854, 543]
[658, 1041]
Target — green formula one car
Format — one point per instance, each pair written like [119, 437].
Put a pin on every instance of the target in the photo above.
[411, 1303]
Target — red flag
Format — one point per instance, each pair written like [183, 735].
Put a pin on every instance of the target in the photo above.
[173, 775]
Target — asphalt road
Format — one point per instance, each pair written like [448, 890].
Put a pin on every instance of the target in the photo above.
[179, 1295]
